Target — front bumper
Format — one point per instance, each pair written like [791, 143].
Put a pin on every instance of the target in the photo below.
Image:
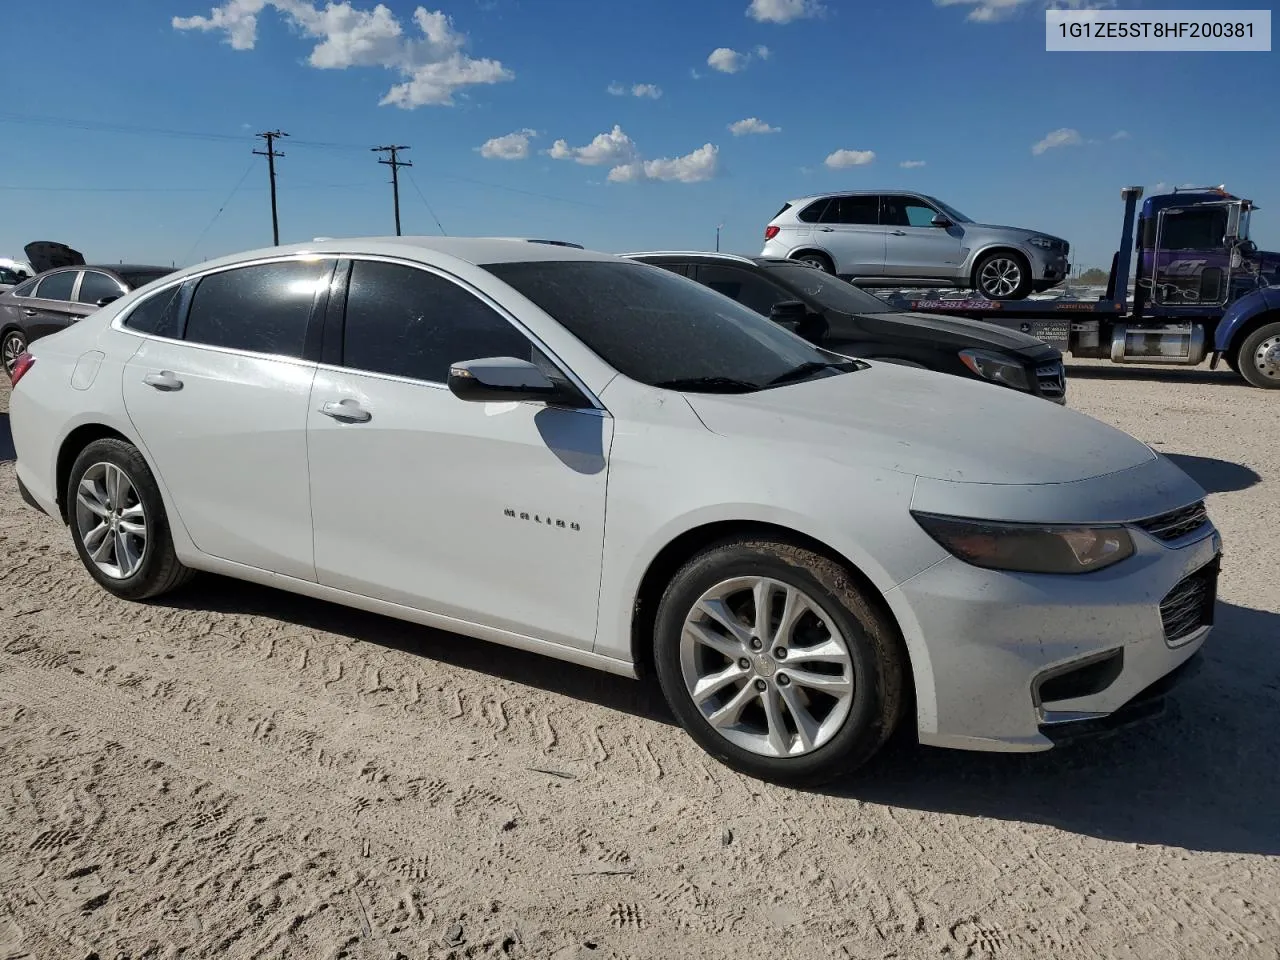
[984, 643]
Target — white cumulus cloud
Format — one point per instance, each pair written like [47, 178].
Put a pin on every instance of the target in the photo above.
[702, 164]
[611, 148]
[850, 158]
[783, 11]
[1120, 135]
[751, 125]
[513, 146]
[650, 90]
[1064, 137]
[726, 60]
[911, 164]
[430, 60]
[992, 11]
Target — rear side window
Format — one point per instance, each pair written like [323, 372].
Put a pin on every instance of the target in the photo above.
[410, 323]
[852, 210]
[161, 313]
[813, 212]
[263, 308]
[95, 286]
[57, 286]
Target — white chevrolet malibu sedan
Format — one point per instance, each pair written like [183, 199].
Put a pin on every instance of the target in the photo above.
[598, 460]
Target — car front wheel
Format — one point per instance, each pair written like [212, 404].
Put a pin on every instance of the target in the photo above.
[776, 664]
[118, 522]
[1003, 276]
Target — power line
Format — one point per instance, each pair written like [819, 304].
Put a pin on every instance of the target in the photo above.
[209, 225]
[271, 154]
[395, 166]
[423, 197]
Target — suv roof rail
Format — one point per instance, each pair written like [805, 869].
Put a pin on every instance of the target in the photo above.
[689, 253]
[550, 243]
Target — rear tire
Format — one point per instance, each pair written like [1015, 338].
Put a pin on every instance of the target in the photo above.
[819, 260]
[1258, 359]
[1003, 275]
[799, 699]
[118, 523]
[12, 345]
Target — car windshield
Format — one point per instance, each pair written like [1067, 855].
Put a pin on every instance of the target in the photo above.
[133, 279]
[830, 293]
[10, 276]
[664, 330]
[950, 211]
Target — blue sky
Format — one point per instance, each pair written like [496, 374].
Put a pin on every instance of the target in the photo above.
[98, 95]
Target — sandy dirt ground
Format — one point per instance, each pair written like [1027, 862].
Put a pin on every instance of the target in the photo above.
[234, 772]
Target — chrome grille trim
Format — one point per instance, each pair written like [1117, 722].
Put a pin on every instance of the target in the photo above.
[1176, 524]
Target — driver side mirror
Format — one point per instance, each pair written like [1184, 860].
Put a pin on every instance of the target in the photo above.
[102, 302]
[941, 220]
[788, 311]
[505, 380]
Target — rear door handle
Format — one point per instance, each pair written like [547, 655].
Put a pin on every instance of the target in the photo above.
[826, 229]
[29, 312]
[897, 233]
[348, 410]
[164, 380]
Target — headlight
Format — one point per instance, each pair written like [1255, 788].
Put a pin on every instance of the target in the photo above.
[1044, 243]
[992, 366]
[1028, 548]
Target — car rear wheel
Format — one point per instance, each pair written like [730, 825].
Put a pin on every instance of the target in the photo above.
[12, 345]
[775, 663]
[118, 523]
[819, 260]
[1002, 276]
[1259, 358]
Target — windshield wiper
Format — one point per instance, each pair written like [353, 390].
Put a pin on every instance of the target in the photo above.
[709, 385]
[812, 366]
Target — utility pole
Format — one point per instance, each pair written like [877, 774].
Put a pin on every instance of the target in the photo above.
[395, 165]
[271, 154]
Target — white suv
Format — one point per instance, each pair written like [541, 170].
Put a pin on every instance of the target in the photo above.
[883, 239]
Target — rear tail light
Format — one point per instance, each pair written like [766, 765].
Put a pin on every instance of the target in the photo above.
[20, 367]
[771, 231]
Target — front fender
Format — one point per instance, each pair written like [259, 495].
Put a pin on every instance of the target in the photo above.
[1241, 312]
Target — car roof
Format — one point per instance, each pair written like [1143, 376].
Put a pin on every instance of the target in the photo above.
[859, 193]
[478, 251]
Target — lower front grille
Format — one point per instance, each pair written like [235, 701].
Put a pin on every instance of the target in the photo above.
[1052, 380]
[1190, 605]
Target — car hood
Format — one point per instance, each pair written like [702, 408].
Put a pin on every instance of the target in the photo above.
[49, 254]
[1021, 232]
[925, 424]
[960, 332]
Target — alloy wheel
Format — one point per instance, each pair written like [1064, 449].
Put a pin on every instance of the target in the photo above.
[1000, 277]
[767, 667]
[111, 520]
[14, 345]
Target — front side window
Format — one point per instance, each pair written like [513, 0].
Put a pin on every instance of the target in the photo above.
[57, 286]
[907, 212]
[1204, 228]
[830, 293]
[411, 323]
[660, 329]
[97, 285]
[264, 308]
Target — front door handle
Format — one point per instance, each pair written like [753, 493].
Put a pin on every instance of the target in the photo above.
[164, 380]
[897, 233]
[29, 312]
[347, 410]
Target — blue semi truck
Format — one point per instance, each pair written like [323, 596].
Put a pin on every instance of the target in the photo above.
[1201, 289]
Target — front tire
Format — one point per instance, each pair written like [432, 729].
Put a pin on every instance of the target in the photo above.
[12, 345]
[118, 523]
[1003, 275]
[1258, 359]
[799, 696]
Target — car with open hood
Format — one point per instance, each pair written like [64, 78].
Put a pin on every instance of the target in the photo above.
[64, 290]
[598, 460]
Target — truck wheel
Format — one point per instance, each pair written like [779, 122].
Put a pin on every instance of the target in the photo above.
[1258, 359]
[1003, 275]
